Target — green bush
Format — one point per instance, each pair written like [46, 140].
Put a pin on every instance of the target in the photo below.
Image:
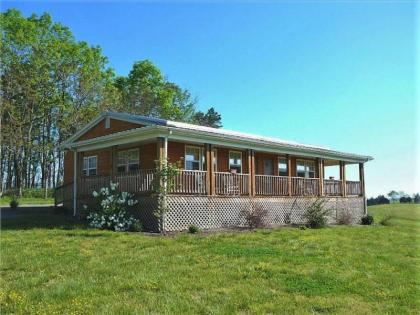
[14, 203]
[316, 214]
[193, 229]
[136, 227]
[367, 220]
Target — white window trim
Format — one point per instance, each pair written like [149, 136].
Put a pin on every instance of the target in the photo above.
[88, 168]
[200, 158]
[233, 151]
[305, 163]
[127, 165]
[278, 165]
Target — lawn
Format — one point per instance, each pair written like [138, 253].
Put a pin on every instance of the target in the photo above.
[5, 201]
[55, 265]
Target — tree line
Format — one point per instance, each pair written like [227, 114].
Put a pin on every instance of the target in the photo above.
[394, 197]
[52, 84]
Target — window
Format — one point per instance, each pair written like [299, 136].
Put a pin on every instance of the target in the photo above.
[128, 161]
[235, 161]
[305, 168]
[90, 165]
[282, 167]
[193, 158]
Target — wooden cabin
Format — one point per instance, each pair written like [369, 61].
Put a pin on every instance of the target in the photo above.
[221, 172]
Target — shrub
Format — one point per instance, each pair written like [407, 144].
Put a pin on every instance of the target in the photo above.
[345, 218]
[14, 203]
[30, 192]
[302, 227]
[316, 214]
[193, 229]
[385, 220]
[287, 218]
[255, 216]
[110, 211]
[367, 220]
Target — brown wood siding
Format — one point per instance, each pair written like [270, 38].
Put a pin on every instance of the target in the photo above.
[68, 167]
[259, 162]
[104, 162]
[115, 126]
[176, 153]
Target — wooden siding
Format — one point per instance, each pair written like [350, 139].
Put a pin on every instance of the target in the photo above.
[115, 126]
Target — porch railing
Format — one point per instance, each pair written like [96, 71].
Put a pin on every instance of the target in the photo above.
[269, 185]
[353, 188]
[231, 184]
[332, 187]
[63, 193]
[140, 181]
[305, 186]
[189, 182]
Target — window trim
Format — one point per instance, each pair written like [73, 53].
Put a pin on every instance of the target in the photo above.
[200, 158]
[88, 168]
[235, 151]
[287, 165]
[305, 163]
[127, 165]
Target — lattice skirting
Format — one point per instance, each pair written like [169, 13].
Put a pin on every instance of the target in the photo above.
[215, 212]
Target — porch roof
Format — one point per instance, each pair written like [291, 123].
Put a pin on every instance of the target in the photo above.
[155, 127]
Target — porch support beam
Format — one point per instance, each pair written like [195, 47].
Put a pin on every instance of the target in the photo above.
[362, 179]
[343, 178]
[74, 181]
[289, 175]
[209, 167]
[321, 176]
[113, 161]
[213, 160]
[251, 171]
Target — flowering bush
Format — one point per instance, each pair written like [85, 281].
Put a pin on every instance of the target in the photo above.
[110, 211]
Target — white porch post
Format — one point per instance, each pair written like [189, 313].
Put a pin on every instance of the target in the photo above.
[74, 181]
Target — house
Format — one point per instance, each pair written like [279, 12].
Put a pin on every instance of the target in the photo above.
[222, 172]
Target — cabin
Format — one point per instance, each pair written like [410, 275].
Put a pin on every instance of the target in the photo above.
[221, 173]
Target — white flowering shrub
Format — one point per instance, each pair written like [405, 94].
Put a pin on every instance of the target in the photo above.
[110, 210]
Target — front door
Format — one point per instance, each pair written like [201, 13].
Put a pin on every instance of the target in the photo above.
[268, 167]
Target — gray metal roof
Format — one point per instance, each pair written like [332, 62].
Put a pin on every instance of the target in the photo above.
[232, 135]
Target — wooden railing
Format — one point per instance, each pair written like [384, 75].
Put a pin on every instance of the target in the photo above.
[353, 188]
[269, 185]
[189, 182]
[305, 186]
[231, 184]
[139, 181]
[63, 193]
[332, 187]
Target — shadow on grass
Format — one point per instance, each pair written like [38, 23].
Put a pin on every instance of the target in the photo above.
[48, 220]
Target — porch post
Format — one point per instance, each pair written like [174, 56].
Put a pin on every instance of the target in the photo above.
[251, 180]
[343, 178]
[362, 179]
[321, 176]
[252, 172]
[289, 175]
[209, 167]
[162, 150]
[113, 162]
[74, 181]
[213, 159]
[362, 185]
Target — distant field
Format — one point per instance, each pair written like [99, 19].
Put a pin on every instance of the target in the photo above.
[54, 265]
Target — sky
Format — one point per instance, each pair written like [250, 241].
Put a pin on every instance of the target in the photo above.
[341, 75]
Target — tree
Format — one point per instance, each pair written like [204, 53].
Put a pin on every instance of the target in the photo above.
[394, 195]
[209, 119]
[416, 198]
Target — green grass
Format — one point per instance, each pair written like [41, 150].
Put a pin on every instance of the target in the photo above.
[55, 265]
[5, 201]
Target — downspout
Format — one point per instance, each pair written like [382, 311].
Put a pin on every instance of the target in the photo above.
[74, 181]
